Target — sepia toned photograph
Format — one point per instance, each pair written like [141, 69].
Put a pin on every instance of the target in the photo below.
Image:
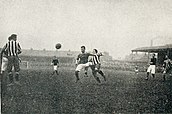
[86, 56]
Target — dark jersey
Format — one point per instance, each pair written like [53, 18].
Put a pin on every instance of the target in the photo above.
[83, 58]
[55, 61]
[153, 61]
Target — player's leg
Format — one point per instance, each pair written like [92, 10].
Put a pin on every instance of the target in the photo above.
[148, 71]
[94, 72]
[3, 77]
[77, 70]
[4, 64]
[102, 74]
[77, 75]
[164, 74]
[16, 69]
[97, 67]
[167, 71]
[86, 71]
[55, 70]
[87, 65]
[3, 84]
[153, 71]
[9, 68]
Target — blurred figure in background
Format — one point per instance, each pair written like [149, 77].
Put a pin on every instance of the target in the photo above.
[55, 64]
[136, 70]
[167, 67]
[152, 66]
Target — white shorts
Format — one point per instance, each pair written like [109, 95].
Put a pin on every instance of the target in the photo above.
[83, 66]
[4, 64]
[55, 67]
[151, 69]
[136, 70]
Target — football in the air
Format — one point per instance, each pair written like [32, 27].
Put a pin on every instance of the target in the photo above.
[58, 46]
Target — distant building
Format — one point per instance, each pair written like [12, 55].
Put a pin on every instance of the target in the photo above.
[160, 50]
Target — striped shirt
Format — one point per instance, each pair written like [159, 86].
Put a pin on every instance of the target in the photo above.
[96, 58]
[12, 48]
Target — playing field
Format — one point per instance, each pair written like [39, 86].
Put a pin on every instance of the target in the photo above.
[123, 92]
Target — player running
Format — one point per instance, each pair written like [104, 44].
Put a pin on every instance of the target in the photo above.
[95, 65]
[136, 70]
[55, 64]
[151, 68]
[82, 62]
[167, 67]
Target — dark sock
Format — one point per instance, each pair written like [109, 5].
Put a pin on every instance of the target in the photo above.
[57, 72]
[10, 77]
[17, 76]
[77, 75]
[97, 78]
[153, 75]
[86, 73]
[147, 75]
[102, 74]
[164, 77]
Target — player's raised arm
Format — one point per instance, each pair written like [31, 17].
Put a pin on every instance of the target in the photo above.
[100, 54]
[90, 54]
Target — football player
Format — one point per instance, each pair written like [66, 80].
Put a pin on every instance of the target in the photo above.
[55, 64]
[82, 62]
[151, 68]
[167, 66]
[96, 65]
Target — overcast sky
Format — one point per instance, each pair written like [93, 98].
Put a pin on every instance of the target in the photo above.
[115, 26]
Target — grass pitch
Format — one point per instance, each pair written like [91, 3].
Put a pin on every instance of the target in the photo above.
[123, 92]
